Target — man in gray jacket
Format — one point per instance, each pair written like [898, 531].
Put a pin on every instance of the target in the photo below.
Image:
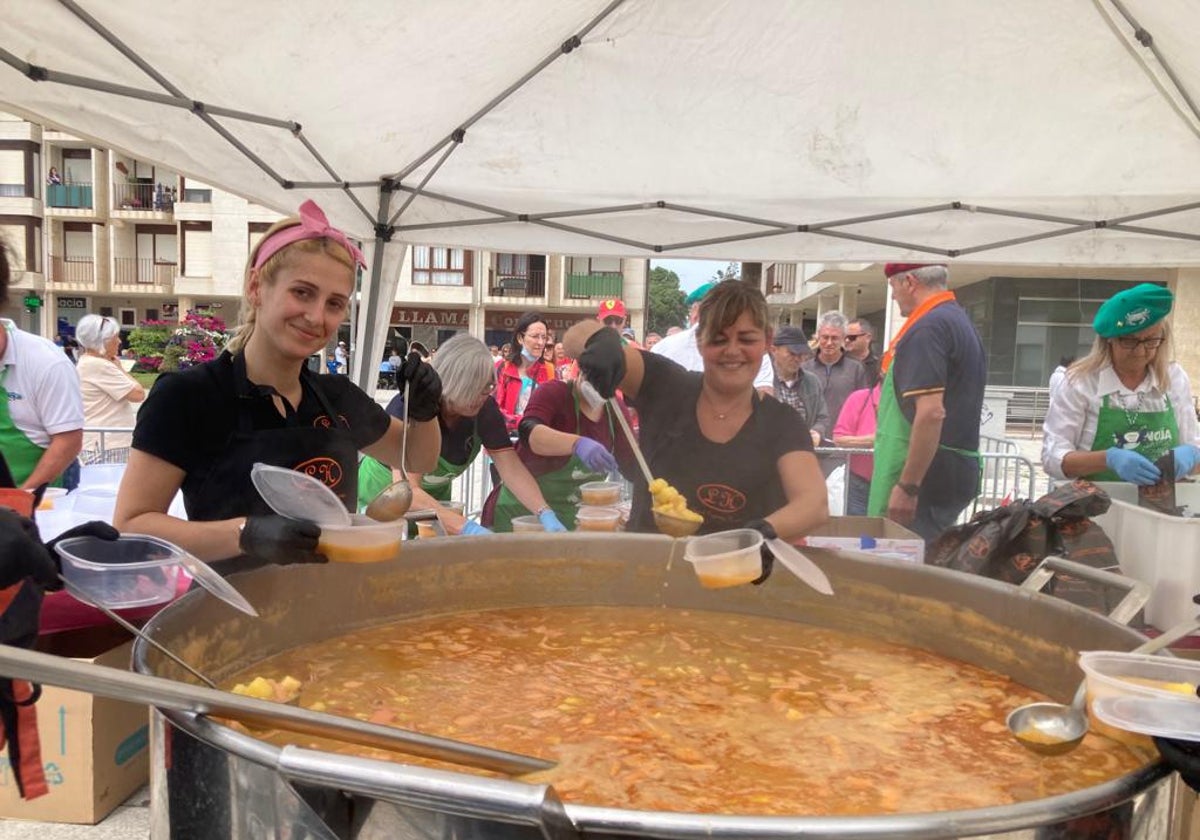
[796, 386]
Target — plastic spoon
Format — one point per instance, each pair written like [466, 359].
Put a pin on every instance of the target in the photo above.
[1056, 728]
[394, 500]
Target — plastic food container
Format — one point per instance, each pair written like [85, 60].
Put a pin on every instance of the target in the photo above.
[1151, 716]
[427, 529]
[52, 498]
[1161, 550]
[1111, 674]
[600, 493]
[597, 518]
[132, 571]
[363, 541]
[524, 524]
[728, 558]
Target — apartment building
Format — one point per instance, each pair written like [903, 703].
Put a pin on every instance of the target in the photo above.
[94, 230]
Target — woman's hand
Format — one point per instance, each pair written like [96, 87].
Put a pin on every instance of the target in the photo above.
[594, 455]
[22, 554]
[550, 522]
[474, 529]
[1186, 458]
[1132, 466]
[424, 388]
[280, 540]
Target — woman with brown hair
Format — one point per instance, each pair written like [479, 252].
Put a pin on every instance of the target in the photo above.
[741, 460]
[202, 429]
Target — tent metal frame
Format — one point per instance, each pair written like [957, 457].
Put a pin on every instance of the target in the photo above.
[384, 221]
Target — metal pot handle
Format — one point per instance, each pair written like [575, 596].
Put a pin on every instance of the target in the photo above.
[1137, 592]
[514, 802]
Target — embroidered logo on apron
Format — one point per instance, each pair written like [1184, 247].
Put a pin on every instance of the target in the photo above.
[325, 470]
[721, 498]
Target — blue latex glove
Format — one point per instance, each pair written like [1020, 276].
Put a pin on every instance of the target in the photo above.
[1186, 458]
[1131, 466]
[474, 529]
[595, 456]
[550, 522]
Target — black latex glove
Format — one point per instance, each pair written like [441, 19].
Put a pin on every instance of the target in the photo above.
[424, 387]
[1183, 757]
[603, 361]
[768, 557]
[96, 528]
[280, 540]
[22, 554]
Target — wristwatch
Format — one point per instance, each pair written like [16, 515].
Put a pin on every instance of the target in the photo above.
[908, 488]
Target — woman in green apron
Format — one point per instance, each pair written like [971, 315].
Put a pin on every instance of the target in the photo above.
[1126, 404]
[470, 420]
[565, 442]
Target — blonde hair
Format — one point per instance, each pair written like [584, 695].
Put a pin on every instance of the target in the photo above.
[725, 304]
[1100, 357]
[281, 259]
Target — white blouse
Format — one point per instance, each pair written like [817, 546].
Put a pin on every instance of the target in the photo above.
[1075, 408]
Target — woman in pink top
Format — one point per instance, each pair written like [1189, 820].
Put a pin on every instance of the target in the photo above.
[856, 427]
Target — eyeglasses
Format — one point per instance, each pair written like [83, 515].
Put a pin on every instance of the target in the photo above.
[614, 321]
[854, 336]
[1128, 343]
[536, 337]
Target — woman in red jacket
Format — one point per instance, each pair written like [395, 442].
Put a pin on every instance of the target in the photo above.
[524, 369]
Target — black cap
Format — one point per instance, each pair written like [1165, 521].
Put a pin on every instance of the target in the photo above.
[790, 336]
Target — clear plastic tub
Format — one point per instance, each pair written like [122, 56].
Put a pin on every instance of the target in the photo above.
[588, 518]
[1111, 674]
[428, 529]
[600, 493]
[53, 497]
[132, 571]
[728, 558]
[526, 524]
[364, 541]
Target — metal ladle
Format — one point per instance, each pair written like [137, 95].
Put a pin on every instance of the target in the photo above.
[394, 500]
[1055, 728]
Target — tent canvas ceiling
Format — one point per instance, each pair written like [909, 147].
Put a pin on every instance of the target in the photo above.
[1024, 131]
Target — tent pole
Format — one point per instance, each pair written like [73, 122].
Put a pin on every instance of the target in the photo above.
[367, 354]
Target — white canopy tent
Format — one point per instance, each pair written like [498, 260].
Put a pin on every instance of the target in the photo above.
[1029, 131]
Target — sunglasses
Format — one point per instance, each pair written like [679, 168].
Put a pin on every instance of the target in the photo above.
[854, 336]
[614, 321]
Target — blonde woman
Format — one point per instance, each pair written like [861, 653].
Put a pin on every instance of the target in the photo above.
[202, 429]
[110, 395]
[1126, 404]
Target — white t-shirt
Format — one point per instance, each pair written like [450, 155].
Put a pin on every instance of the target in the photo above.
[43, 390]
[104, 386]
[1075, 405]
[682, 348]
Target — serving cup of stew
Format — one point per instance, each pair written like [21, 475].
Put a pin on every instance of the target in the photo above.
[589, 518]
[526, 524]
[726, 558]
[600, 493]
[364, 541]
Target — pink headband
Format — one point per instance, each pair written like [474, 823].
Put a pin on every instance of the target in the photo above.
[313, 225]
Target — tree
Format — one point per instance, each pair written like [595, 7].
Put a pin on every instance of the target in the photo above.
[666, 307]
[733, 271]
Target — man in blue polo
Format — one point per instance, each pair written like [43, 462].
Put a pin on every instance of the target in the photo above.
[927, 462]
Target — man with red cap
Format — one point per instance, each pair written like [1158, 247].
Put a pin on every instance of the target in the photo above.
[612, 313]
[927, 462]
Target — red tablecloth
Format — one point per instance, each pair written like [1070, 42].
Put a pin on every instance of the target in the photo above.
[62, 612]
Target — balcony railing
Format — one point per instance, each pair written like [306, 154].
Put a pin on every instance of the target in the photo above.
[527, 284]
[598, 284]
[128, 196]
[79, 271]
[75, 196]
[130, 271]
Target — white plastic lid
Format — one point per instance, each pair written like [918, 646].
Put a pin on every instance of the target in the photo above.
[1151, 716]
[298, 496]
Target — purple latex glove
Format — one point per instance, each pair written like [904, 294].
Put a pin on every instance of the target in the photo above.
[595, 456]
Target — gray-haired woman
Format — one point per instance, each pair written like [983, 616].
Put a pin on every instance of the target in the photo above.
[109, 393]
[470, 420]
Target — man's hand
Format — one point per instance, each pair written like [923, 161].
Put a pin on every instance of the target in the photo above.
[902, 508]
[22, 554]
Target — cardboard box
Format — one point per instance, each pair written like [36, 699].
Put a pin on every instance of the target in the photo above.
[892, 541]
[95, 750]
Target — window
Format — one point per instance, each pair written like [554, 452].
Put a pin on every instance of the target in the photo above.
[128, 317]
[151, 314]
[196, 251]
[1047, 330]
[441, 266]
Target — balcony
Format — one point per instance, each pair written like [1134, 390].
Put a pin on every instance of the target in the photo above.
[598, 284]
[73, 272]
[69, 196]
[142, 197]
[510, 284]
[143, 274]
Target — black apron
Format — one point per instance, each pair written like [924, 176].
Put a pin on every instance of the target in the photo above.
[326, 452]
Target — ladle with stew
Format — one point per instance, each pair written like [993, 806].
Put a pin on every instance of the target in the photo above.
[1056, 728]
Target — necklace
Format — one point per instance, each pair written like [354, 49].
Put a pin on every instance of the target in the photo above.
[722, 415]
[1131, 412]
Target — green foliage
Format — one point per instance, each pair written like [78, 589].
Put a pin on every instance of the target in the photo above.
[172, 355]
[147, 342]
[666, 307]
[733, 271]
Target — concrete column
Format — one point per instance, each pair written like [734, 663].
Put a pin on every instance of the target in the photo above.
[848, 301]
[186, 303]
[1185, 321]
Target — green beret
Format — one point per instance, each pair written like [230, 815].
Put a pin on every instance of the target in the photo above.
[698, 295]
[1133, 310]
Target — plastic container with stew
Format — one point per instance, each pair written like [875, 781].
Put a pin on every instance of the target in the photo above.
[728, 558]
[364, 541]
[600, 493]
[588, 518]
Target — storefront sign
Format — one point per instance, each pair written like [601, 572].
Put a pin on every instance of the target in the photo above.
[507, 320]
[431, 317]
[33, 302]
[72, 303]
